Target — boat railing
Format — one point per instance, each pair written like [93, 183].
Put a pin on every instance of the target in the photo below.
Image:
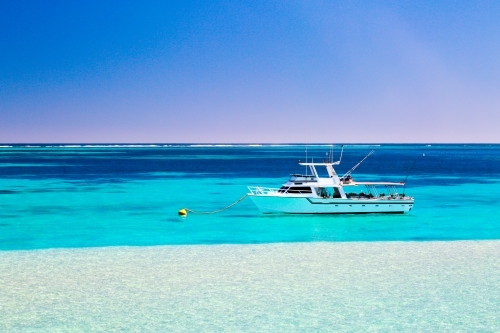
[296, 175]
[363, 196]
[373, 193]
[263, 190]
[259, 190]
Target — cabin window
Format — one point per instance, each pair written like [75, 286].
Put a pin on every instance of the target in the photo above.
[299, 189]
[322, 192]
[328, 192]
[283, 189]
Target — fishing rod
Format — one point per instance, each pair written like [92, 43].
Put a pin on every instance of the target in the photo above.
[404, 186]
[354, 167]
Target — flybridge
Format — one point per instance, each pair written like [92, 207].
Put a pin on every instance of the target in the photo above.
[329, 168]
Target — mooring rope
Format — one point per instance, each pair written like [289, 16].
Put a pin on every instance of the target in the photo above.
[218, 210]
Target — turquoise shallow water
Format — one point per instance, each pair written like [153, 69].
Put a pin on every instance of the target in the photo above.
[279, 287]
[108, 196]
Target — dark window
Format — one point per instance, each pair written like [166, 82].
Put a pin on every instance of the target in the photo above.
[300, 189]
[283, 189]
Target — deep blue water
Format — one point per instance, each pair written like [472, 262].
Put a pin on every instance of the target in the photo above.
[104, 195]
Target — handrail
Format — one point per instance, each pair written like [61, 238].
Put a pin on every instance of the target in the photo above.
[302, 176]
[270, 190]
[262, 190]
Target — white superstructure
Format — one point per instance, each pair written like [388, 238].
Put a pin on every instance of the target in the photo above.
[312, 194]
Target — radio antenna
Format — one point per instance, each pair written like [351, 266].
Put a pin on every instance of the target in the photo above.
[341, 152]
[306, 160]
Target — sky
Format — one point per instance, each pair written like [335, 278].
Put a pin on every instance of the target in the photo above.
[249, 71]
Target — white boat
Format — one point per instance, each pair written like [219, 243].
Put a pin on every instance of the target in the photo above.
[312, 194]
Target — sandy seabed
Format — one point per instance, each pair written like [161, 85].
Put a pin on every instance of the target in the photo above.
[293, 287]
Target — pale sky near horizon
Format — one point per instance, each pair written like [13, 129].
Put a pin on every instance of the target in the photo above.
[249, 72]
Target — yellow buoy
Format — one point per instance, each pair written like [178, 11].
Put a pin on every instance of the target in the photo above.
[183, 212]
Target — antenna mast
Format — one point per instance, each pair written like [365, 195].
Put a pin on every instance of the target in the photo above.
[306, 160]
[341, 152]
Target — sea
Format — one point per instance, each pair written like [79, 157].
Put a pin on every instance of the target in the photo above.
[86, 229]
[74, 196]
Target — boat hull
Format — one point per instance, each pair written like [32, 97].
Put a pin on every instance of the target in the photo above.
[302, 205]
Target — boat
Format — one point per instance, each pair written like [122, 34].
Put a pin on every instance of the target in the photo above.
[312, 194]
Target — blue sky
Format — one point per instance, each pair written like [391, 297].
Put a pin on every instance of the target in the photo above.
[260, 71]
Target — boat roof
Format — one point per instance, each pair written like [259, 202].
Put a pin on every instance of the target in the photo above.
[373, 183]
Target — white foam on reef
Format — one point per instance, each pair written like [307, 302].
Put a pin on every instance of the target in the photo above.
[209, 145]
[120, 146]
[310, 287]
[178, 145]
[362, 145]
